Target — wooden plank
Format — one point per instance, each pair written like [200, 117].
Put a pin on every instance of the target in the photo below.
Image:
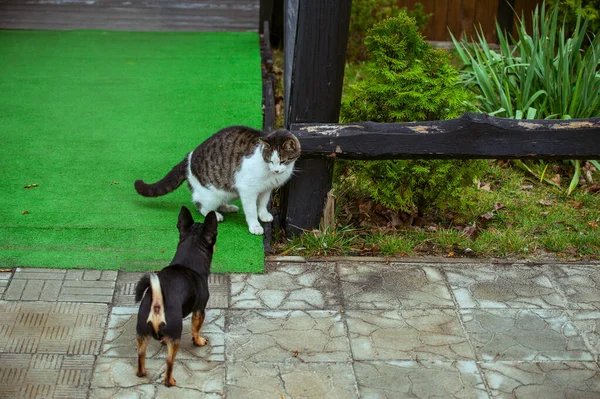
[454, 19]
[470, 136]
[485, 18]
[316, 77]
[468, 17]
[149, 15]
[265, 14]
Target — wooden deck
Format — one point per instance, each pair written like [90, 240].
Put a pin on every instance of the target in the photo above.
[131, 15]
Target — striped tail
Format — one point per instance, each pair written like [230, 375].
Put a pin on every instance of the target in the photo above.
[156, 317]
[167, 184]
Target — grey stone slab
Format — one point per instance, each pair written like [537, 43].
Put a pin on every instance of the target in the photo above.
[284, 380]
[548, 380]
[524, 335]
[431, 334]
[15, 290]
[51, 290]
[381, 286]
[422, 379]
[4, 281]
[516, 286]
[277, 335]
[588, 325]
[32, 291]
[218, 286]
[39, 274]
[45, 375]
[580, 285]
[51, 327]
[115, 377]
[120, 340]
[288, 286]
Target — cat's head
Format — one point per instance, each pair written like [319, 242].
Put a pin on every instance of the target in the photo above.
[280, 150]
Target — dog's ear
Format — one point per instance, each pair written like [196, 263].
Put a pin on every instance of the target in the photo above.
[185, 220]
[209, 228]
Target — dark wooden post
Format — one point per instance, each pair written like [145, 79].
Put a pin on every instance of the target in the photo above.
[316, 34]
[265, 13]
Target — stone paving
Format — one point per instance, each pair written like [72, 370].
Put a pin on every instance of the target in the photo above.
[340, 329]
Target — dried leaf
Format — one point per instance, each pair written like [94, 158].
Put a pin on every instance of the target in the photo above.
[575, 204]
[487, 216]
[484, 186]
[527, 187]
[498, 206]
[556, 179]
[470, 231]
[593, 224]
[25, 212]
[451, 254]
[28, 186]
[545, 202]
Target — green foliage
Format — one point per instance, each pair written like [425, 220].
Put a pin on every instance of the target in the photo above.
[543, 75]
[365, 13]
[407, 80]
[570, 10]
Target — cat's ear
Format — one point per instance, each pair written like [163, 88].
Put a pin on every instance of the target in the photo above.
[290, 145]
[185, 221]
[209, 228]
[264, 143]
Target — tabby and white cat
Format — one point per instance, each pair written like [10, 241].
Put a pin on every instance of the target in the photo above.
[236, 162]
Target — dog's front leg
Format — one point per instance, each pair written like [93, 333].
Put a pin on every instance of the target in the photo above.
[172, 348]
[141, 366]
[197, 321]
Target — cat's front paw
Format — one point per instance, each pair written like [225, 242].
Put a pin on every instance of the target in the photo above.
[256, 229]
[265, 216]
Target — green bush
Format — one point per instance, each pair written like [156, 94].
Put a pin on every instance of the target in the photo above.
[365, 13]
[570, 10]
[407, 80]
[546, 74]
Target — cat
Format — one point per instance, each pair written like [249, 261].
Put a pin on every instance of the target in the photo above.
[236, 162]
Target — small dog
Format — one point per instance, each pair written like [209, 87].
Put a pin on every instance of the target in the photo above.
[176, 291]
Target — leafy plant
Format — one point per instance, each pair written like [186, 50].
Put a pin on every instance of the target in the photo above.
[365, 13]
[543, 75]
[407, 80]
[569, 10]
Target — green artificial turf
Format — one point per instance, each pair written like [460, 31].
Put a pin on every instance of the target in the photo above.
[85, 113]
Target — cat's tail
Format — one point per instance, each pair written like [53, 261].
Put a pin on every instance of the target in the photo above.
[167, 184]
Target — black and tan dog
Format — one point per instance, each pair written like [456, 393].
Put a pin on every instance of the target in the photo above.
[176, 291]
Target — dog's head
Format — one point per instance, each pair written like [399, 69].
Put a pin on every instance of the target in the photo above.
[195, 236]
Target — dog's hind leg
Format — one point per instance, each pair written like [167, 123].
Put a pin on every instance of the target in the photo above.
[197, 321]
[141, 366]
[172, 348]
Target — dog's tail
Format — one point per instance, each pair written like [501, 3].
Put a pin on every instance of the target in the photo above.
[167, 184]
[156, 316]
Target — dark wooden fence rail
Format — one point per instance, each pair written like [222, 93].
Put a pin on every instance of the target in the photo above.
[470, 136]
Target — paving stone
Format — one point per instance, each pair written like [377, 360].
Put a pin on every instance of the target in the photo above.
[422, 379]
[115, 377]
[581, 286]
[287, 286]
[381, 286]
[525, 335]
[218, 287]
[284, 380]
[120, 339]
[432, 334]
[588, 325]
[15, 290]
[39, 274]
[51, 327]
[45, 375]
[4, 281]
[515, 286]
[546, 380]
[277, 335]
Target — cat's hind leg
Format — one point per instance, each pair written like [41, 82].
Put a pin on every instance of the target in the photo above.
[228, 208]
[206, 202]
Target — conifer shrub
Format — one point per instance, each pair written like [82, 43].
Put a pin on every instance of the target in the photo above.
[365, 13]
[406, 80]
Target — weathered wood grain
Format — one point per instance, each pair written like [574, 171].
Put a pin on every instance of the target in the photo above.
[470, 136]
[132, 15]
